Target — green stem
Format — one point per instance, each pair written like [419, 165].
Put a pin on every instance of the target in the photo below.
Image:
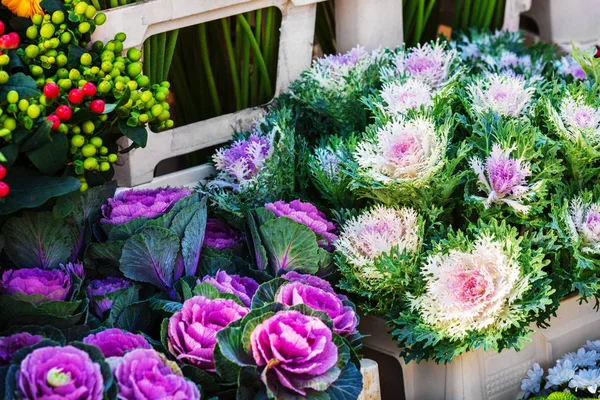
[245, 61]
[114, 3]
[465, 15]
[232, 63]
[154, 61]
[170, 52]
[474, 20]
[267, 47]
[456, 16]
[148, 59]
[208, 70]
[410, 20]
[160, 57]
[499, 15]
[419, 24]
[261, 62]
[96, 4]
[490, 13]
[428, 11]
[254, 89]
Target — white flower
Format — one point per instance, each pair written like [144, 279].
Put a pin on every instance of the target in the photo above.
[592, 345]
[328, 161]
[330, 71]
[582, 358]
[506, 95]
[399, 97]
[471, 291]
[563, 372]
[583, 221]
[579, 117]
[377, 232]
[533, 382]
[586, 379]
[408, 150]
[427, 63]
[504, 179]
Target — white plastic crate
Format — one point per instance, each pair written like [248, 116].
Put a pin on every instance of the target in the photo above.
[491, 375]
[512, 13]
[370, 373]
[142, 20]
[563, 22]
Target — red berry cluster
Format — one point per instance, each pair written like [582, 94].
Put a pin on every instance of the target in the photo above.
[75, 97]
[10, 40]
[4, 189]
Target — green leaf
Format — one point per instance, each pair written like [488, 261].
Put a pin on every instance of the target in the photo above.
[37, 240]
[124, 299]
[290, 246]
[255, 244]
[265, 294]
[167, 306]
[41, 136]
[84, 114]
[152, 257]
[51, 157]
[53, 5]
[75, 53]
[104, 257]
[108, 108]
[22, 84]
[138, 135]
[349, 384]
[193, 238]
[200, 377]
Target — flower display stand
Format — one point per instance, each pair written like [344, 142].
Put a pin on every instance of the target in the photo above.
[563, 22]
[145, 19]
[512, 13]
[370, 373]
[488, 375]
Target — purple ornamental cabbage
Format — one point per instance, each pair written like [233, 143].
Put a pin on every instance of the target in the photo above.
[76, 269]
[98, 291]
[221, 236]
[49, 284]
[241, 287]
[306, 214]
[66, 373]
[144, 374]
[192, 331]
[245, 158]
[132, 204]
[297, 352]
[308, 279]
[115, 342]
[9, 345]
[344, 317]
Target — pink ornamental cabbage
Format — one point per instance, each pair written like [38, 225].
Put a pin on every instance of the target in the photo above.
[221, 236]
[132, 204]
[144, 374]
[241, 287]
[65, 373]
[52, 285]
[98, 291]
[192, 332]
[343, 317]
[305, 214]
[427, 63]
[9, 345]
[115, 342]
[296, 351]
[245, 158]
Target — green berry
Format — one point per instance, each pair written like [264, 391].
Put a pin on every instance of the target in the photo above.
[134, 54]
[104, 87]
[47, 31]
[10, 124]
[58, 17]
[88, 150]
[76, 130]
[3, 77]
[90, 163]
[84, 187]
[4, 132]
[86, 58]
[33, 111]
[143, 81]
[143, 118]
[104, 166]
[96, 141]
[106, 66]
[156, 110]
[32, 51]
[77, 140]
[98, 46]
[4, 60]
[90, 12]
[169, 124]
[65, 37]
[63, 128]
[36, 70]
[112, 158]
[62, 73]
[121, 37]
[146, 96]
[165, 84]
[74, 75]
[84, 27]
[23, 105]
[100, 19]
[12, 97]
[81, 8]
[65, 84]
[165, 115]
[103, 150]
[134, 69]
[37, 19]
[61, 60]
[88, 127]
[32, 32]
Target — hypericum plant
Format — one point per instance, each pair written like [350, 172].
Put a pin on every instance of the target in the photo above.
[377, 253]
[573, 116]
[65, 101]
[479, 288]
[513, 172]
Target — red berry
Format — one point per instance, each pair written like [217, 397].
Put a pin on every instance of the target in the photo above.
[64, 113]
[4, 189]
[2, 172]
[597, 55]
[1, 27]
[75, 96]
[55, 121]
[13, 40]
[4, 42]
[51, 90]
[89, 89]
[97, 106]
